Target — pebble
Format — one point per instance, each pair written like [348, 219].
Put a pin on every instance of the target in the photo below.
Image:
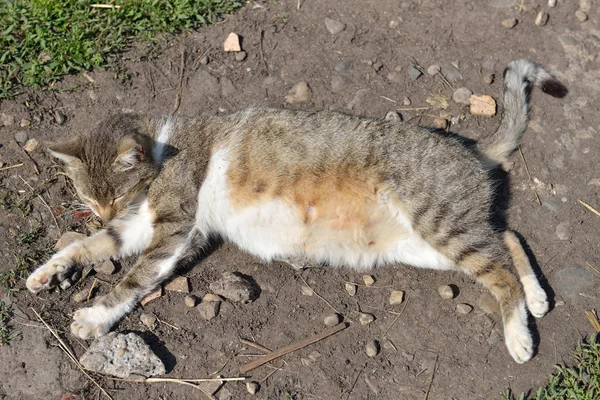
[594, 182]
[152, 296]
[333, 26]
[64, 285]
[67, 238]
[482, 105]
[252, 387]
[377, 66]
[464, 308]
[406, 101]
[488, 78]
[209, 309]
[332, 319]
[451, 73]
[31, 145]
[241, 56]
[488, 304]
[358, 99]
[148, 319]
[396, 297]
[462, 95]
[542, 18]
[300, 93]
[80, 296]
[21, 137]
[59, 117]
[369, 280]
[551, 3]
[434, 69]
[122, 355]
[25, 123]
[343, 65]
[394, 117]
[581, 15]
[350, 288]
[106, 268]
[232, 43]
[7, 120]
[372, 348]
[440, 123]
[414, 73]
[509, 23]
[190, 300]
[306, 290]
[446, 292]
[178, 284]
[563, 230]
[569, 282]
[365, 318]
[550, 205]
[236, 287]
[204, 60]
[212, 297]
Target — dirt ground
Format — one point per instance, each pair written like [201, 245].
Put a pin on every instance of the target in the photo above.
[430, 350]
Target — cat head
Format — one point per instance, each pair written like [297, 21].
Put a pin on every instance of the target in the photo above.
[111, 167]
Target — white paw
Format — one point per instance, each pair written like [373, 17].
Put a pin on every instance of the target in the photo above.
[92, 322]
[537, 301]
[54, 271]
[517, 336]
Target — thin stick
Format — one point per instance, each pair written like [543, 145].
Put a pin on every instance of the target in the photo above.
[414, 109]
[168, 324]
[255, 345]
[67, 351]
[388, 99]
[529, 175]
[431, 380]
[91, 289]
[586, 205]
[353, 384]
[292, 347]
[35, 167]
[104, 6]
[12, 166]
[594, 269]
[395, 319]
[591, 316]
[263, 380]
[180, 89]
[322, 298]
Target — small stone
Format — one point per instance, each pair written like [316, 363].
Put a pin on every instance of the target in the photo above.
[149, 320]
[209, 309]
[482, 105]
[463, 308]
[190, 300]
[406, 101]
[377, 66]
[332, 319]
[542, 18]
[212, 297]
[178, 284]
[59, 117]
[7, 119]
[394, 23]
[508, 166]
[488, 78]
[509, 23]
[204, 60]
[372, 348]
[31, 145]
[581, 15]
[451, 73]
[394, 117]
[434, 69]
[551, 3]
[300, 93]
[152, 296]
[350, 288]
[550, 205]
[21, 137]
[232, 43]
[25, 123]
[488, 304]
[241, 56]
[462, 95]
[306, 290]
[80, 296]
[252, 387]
[106, 268]
[414, 73]
[594, 182]
[236, 287]
[446, 292]
[68, 238]
[64, 285]
[563, 230]
[333, 26]
[343, 65]
[105, 356]
[396, 297]
[369, 280]
[440, 123]
[365, 318]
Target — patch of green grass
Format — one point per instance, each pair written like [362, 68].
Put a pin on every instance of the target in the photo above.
[579, 382]
[30, 236]
[42, 40]
[6, 332]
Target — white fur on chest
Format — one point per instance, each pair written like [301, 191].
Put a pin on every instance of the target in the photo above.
[274, 229]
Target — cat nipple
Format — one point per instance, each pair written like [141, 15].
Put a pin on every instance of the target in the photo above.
[310, 214]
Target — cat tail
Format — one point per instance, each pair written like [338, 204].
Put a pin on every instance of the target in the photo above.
[519, 77]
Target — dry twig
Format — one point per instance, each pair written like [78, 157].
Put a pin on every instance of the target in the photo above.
[594, 269]
[529, 175]
[586, 205]
[113, 6]
[395, 319]
[12, 166]
[593, 318]
[255, 345]
[431, 379]
[322, 298]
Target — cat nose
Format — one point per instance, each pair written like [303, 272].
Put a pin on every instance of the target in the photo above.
[106, 213]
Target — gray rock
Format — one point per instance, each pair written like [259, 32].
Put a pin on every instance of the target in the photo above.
[464, 308]
[451, 73]
[414, 73]
[563, 230]
[372, 348]
[551, 206]
[509, 23]
[235, 287]
[106, 268]
[122, 355]
[333, 26]
[358, 99]
[406, 101]
[240, 56]
[377, 66]
[204, 60]
[25, 123]
[569, 282]
[343, 65]
[542, 18]
[394, 117]
[21, 137]
[581, 15]
[434, 69]
[209, 309]
[252, 387]
[332, 319]
[59, 117]
[488, 78]
[462, 95]
[148, 319]
[7, 120]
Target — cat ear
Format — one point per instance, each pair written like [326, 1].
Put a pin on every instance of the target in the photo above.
[131, 153]
[69, 151]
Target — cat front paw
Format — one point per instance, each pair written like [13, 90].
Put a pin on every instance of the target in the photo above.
[55, 271]
[92, 322]
[537, 300]
[517, 336]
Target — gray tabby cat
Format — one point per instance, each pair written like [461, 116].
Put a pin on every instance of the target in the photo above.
[333, 188]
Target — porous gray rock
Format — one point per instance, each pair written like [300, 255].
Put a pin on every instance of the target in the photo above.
[236, 287]
[333, 26]
[122, 355]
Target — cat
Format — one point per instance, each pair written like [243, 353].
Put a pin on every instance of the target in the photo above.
[333, 188]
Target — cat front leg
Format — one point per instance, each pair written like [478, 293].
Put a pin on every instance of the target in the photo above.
[170, 245]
